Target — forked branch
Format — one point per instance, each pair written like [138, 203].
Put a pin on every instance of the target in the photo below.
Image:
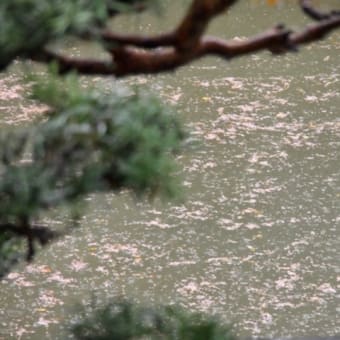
[134, 54]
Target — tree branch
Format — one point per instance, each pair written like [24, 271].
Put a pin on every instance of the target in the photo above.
[315, 14]
[38, 232]
[271, 40]
[133, 54]
[185, 36]
[162, 40]
[31, 233]
[196, 21]
[315, 32]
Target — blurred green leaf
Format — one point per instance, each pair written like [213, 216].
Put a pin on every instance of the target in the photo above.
[91, 142]
[123, 320]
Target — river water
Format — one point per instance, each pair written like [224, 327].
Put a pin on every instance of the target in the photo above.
[255, 238]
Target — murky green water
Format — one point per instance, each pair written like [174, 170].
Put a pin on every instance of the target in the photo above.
[256, 239]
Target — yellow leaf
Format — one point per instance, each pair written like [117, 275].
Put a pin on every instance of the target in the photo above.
[45, 269]
[40, 310]
[272, 2]
[138, 259]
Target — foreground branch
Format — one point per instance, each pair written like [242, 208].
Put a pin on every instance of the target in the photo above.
[314, 13]
[134, 54]
[31, 233]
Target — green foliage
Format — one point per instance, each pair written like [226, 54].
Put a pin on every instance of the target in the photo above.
[122, 320]
[116, 141]
[91, 142]
[10, 250]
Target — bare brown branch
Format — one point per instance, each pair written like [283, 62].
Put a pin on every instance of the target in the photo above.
[271, 40]
[314, 13]
[196, 21]
[133, 54]
[185, 36]
[315, 32]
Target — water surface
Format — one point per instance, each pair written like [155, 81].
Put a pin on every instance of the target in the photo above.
[256, 238]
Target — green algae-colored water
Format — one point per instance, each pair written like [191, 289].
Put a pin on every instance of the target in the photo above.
[255, 239]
